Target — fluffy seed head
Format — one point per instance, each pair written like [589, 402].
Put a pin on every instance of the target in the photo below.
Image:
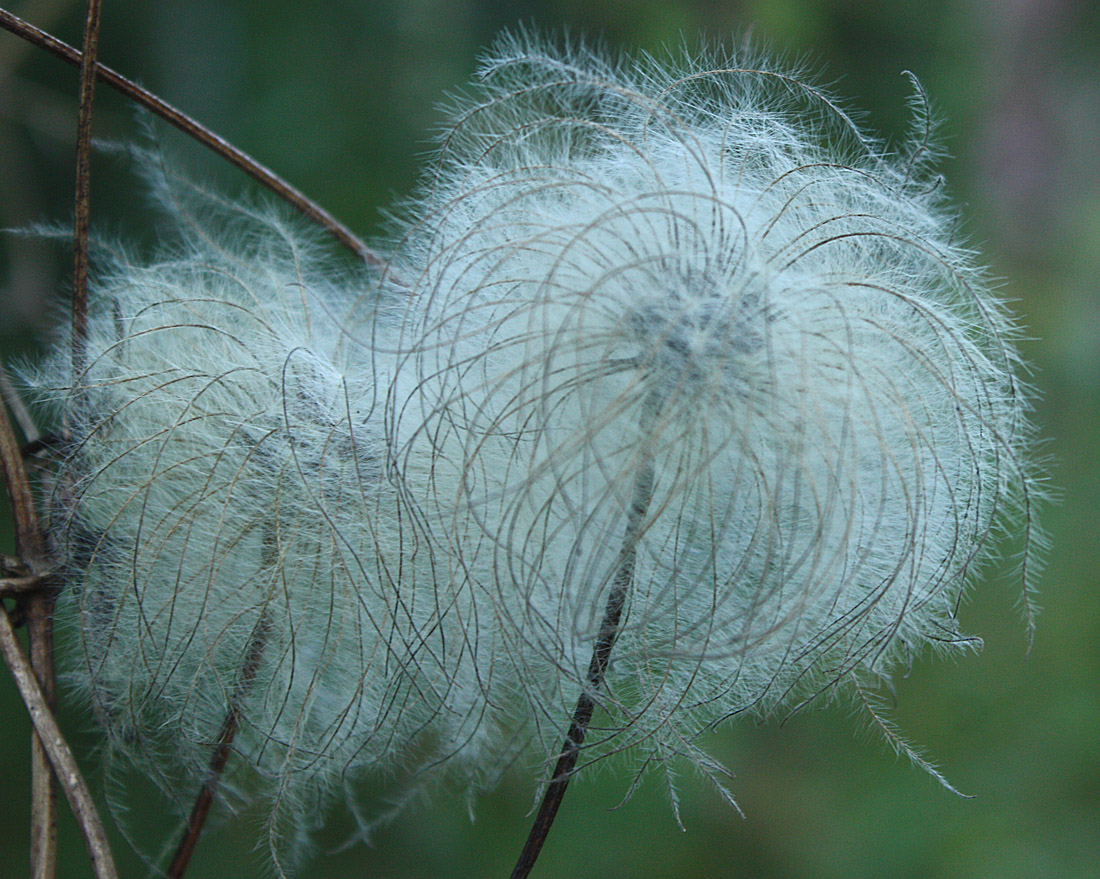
[701, 282]
[678, 329]
[235, 549]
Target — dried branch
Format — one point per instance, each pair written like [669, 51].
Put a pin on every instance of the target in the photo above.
[39, 616]
[33, 565]
[36, 683]
[68, 773]
[13, 587]
[83, 185]
[47, 13]
[38, 607]
[200, 133]
[29, 543]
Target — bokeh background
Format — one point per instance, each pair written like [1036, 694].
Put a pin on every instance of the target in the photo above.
[341, 98]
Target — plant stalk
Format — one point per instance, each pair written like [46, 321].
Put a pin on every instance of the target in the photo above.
[82, 212]
[61, 757]
[597, 670]
[29, 681]
[37, 606]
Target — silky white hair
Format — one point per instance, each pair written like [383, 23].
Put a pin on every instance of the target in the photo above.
[233, 540]
[681, 319]
[700, 281]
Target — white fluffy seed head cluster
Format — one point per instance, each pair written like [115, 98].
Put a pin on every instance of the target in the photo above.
[676, 322]
[703, 278]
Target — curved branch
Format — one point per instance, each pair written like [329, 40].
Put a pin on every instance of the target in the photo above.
[68, 773]
[205, 799]
[31, 548]
[200, 133]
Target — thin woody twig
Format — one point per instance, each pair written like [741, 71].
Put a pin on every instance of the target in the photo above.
[28, 537]
[68, 773]
[83, 185]
[17, 580]
[38, 606]
[200, 133]
[31, 546]
[11, 587]
[46, 12]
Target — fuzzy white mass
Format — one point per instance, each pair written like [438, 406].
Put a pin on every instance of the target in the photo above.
[675, 328]
[697, 295]
[236, 551]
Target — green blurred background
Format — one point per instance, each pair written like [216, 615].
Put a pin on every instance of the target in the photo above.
[341, 99]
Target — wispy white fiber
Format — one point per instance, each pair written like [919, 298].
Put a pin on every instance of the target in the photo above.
[681, 315]
[701, 274]
[232, 537]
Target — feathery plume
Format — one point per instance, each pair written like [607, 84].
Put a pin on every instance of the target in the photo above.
[674, 340]
[690, 313]
[240, 569]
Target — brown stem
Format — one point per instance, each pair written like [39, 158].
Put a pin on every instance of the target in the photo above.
[61, 758]
[200, 133]
[83, 184]
[39, 616]
[47, 12]
[17, 587]
[205, 799]
[38, 607]
[597, 669]
[29, 543]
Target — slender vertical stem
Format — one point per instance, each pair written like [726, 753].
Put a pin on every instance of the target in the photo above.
[36, 685]
[29, 543]
[83, 184]
[205, 799]
[38, 607]
[39, 617]
[597, 669]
